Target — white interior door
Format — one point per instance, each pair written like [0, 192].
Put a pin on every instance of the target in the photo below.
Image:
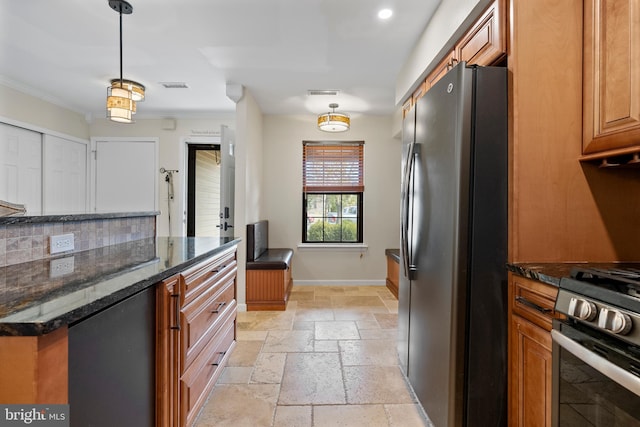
[21, 167]
[227, 181]
[65, 184]
[125, 178]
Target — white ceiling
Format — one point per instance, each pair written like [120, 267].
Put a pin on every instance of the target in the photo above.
[67, 51]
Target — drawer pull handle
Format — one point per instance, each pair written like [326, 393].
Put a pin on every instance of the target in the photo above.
[532, 305]
[217, 363]
[219, 269]
[217, 309]
[176, 307]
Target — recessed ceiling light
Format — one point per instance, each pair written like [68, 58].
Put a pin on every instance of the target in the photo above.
[385, 13]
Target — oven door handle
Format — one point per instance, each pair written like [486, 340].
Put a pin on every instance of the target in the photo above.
[616, 373]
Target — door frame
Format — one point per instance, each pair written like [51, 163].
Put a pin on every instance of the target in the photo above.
[193, 148]
[191, 140]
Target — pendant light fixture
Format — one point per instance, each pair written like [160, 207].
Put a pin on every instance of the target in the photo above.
[333, 121]
[123, 94]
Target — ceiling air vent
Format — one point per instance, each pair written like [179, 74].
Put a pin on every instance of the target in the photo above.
[174, 85]
[322, 92]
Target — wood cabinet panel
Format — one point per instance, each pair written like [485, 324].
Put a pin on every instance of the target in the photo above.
[485, 43]
[196, 317]
[202, 374]
[34, 369]
[447, 63]
[205, 274]
[531, 308]
[167, 355]
[530, 377]
[534, 301]
[611, 74]
[201, 321]
[268, 289]
[393, 275]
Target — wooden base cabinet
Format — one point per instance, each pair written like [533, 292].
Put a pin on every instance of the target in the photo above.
[531, 312]
[530, 376]
[393, 275]
[196, 319]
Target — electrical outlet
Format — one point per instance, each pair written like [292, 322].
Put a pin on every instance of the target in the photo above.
[61, 243]
[61, 266]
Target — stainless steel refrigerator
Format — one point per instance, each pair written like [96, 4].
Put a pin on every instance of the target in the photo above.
[452, 318]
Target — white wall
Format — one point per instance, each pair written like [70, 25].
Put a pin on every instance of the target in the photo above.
[446, 26]
[41, 115]
[249, 182]
[282, 198]
[171, 155]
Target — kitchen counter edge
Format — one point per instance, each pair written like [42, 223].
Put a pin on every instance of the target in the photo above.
[36, 328]
[39, 219]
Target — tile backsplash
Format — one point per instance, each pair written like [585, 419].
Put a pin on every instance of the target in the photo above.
[29, 242]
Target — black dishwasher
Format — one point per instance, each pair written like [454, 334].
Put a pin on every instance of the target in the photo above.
[112, 365]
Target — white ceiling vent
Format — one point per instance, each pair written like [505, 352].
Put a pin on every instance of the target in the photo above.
[322, 92]
[174, 85]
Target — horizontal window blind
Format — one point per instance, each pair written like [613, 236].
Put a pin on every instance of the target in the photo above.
[333, 167]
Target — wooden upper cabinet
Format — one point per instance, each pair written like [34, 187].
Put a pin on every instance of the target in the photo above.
[406, 107]
[485, 43]
[447, 63]
[418, 93]
[611, 75]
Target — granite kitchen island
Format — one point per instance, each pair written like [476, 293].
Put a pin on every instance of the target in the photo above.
[142, 317]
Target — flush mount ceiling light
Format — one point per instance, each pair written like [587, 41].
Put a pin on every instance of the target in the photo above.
[123, 94]
[333, 121]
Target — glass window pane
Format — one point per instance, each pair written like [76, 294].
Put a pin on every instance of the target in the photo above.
[333, 218]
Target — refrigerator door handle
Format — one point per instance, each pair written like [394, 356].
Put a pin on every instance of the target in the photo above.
[405, 211]
[407, 216]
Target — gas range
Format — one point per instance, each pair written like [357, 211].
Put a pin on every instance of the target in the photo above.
[607, 300]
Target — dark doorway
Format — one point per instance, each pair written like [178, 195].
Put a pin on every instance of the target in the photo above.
[203, 190]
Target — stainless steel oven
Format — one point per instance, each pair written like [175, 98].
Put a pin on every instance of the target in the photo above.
[596, 350]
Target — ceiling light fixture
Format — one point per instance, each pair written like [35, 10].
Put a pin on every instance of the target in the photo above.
[385, 13]
[334, 122]
[123, 94]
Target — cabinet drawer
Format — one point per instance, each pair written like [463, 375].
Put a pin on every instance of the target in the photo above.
[203, 318]
[201, 376]
[533, 301]
[205, 274]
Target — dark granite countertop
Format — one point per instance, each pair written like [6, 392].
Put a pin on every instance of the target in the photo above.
[37, 219]
[551, 273]
[40, 296]
[393, 253]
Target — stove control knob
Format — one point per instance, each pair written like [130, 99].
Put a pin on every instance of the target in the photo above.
[615, 321]
[582, 309]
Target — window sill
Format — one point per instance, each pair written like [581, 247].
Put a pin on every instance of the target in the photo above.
[335, 247]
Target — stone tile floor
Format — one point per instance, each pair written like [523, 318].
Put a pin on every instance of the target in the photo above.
[328, 360]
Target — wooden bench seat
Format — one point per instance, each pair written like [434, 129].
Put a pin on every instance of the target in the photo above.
[268, 271]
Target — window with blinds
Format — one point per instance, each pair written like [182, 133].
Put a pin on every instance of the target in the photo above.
[333, 188]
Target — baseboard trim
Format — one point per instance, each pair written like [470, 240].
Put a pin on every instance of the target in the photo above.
[363, 282]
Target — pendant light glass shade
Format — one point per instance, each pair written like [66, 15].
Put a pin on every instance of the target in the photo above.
[334, 122]
[136, 89]
[120, 105]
